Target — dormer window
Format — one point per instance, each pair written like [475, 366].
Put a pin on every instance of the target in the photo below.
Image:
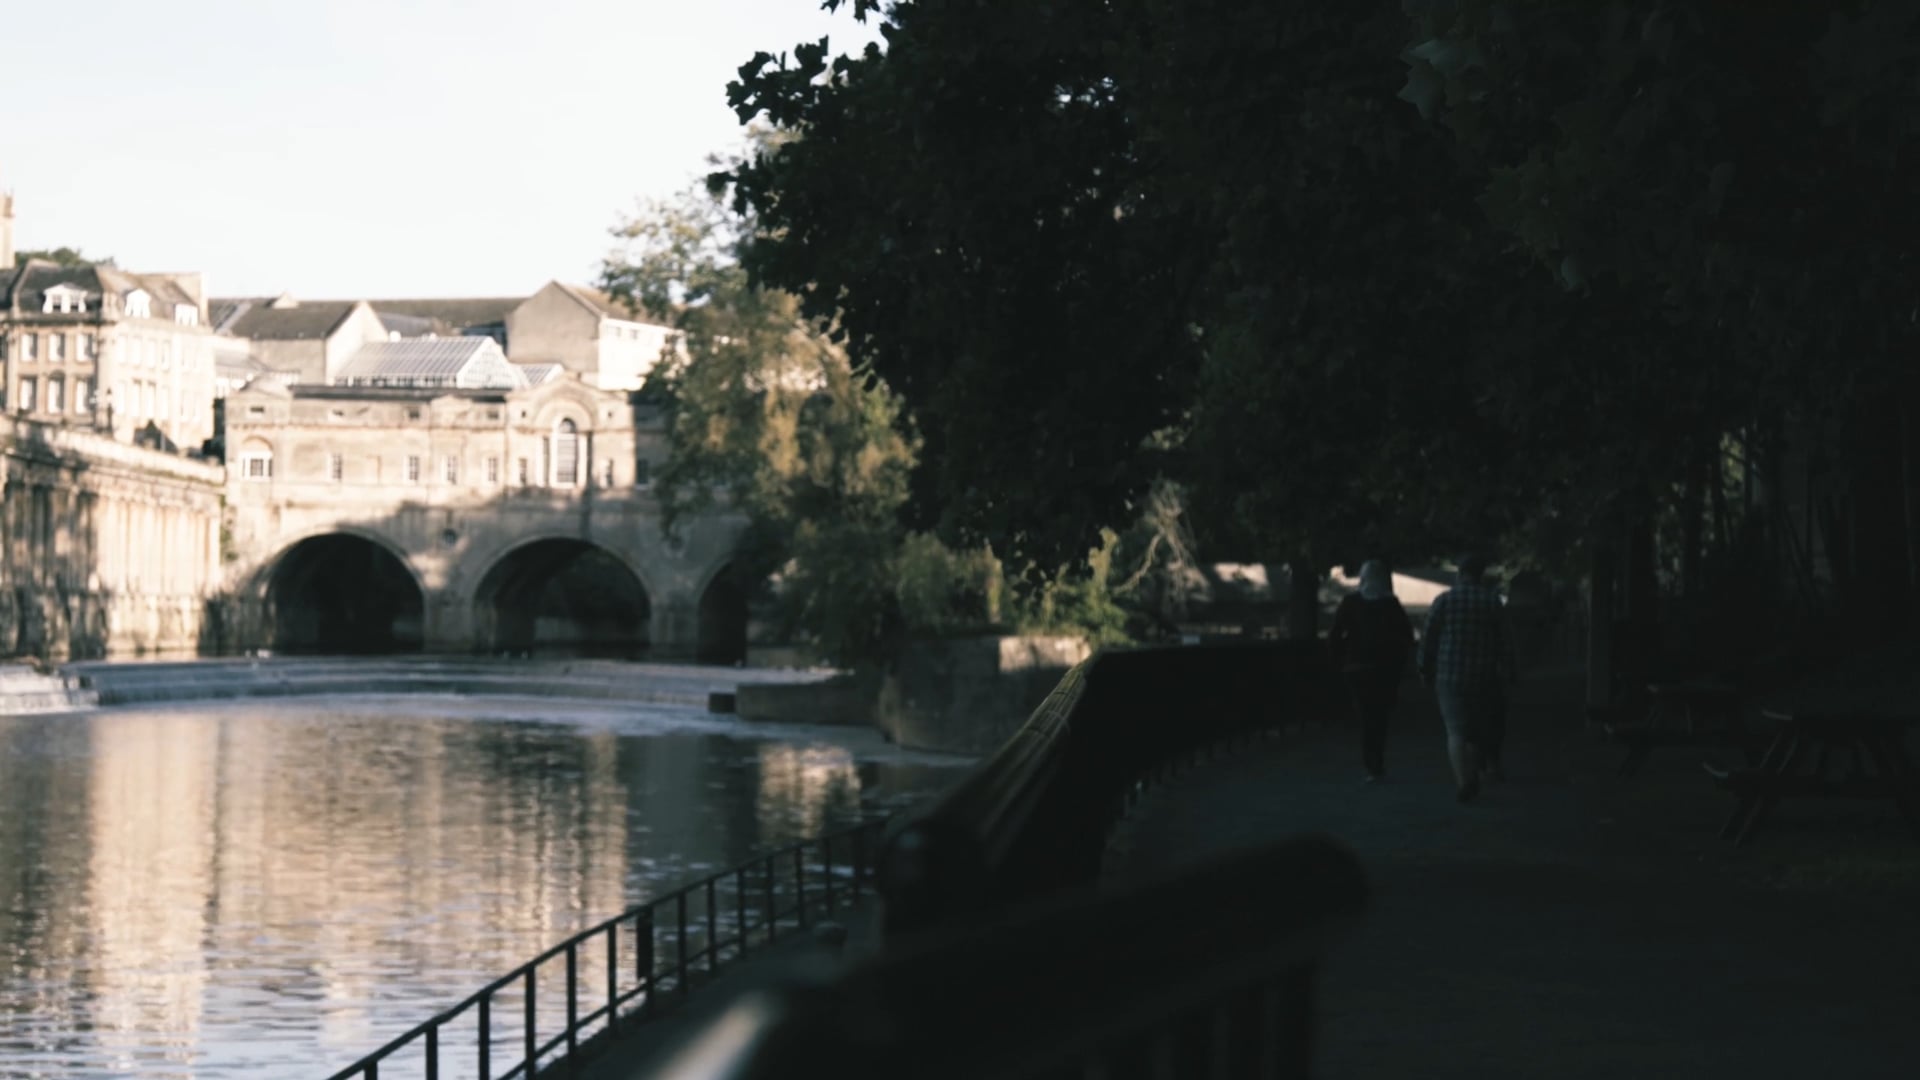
[139, 305]
[64, 300]
[186, 315]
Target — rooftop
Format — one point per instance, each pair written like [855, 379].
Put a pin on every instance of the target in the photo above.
[432, 360]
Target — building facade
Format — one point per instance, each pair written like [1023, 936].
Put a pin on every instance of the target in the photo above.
[112, 351]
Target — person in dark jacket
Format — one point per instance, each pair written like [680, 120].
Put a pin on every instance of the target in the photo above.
[1372, 641]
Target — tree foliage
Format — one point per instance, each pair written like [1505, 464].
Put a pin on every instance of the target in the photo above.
[69, 258]
[769, 417]
[1377, 275]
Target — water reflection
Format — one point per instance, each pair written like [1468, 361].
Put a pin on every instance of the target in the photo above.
[273, 890]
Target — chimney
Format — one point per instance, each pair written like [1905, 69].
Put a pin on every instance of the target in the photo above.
[6, 231]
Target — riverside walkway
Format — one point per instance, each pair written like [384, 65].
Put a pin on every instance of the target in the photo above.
[1571, 923]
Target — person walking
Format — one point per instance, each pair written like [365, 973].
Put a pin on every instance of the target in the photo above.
[1372, 641]
[1466, 658]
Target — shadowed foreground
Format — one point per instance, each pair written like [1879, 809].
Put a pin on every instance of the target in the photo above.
[1571, 923]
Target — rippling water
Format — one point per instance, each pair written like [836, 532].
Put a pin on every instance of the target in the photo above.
[268, 890]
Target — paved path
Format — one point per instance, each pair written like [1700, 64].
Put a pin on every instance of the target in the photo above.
[1571, 924]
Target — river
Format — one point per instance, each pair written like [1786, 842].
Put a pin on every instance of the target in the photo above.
[197, 892]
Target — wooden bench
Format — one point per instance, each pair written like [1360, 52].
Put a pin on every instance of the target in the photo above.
[1868, 739]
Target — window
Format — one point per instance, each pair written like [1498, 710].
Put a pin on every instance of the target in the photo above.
[166, 355]
[453, 469]
[65, 299]
[641, 467]
[413, 414]
[186, 315]
[522, 474]
[413, 468]
[566, 454]
[56, 401]
[139, 305]
[255, 465]
[56, 348]
[83, 395]
[29, 346]
[89, 347]
[27, 388]
[606, 473]
[493, 470]
[336, 467]
[256, 410]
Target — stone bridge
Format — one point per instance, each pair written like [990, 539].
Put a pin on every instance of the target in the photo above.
[537, 571]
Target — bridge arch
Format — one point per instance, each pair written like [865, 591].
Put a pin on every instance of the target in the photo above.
[562, 596]
[343, 591]
[721, 622]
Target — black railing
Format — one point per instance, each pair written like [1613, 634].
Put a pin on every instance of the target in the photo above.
[595, 984]
[1037, 815]
[1205, 973]
[1008, 954]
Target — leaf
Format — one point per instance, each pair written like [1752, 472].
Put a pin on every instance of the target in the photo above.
[1423, 89]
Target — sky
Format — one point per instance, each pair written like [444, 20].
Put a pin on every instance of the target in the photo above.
[370, 148]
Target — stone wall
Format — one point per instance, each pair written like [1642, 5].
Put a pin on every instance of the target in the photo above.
[842, 701]
[968, 695]
[105, 549]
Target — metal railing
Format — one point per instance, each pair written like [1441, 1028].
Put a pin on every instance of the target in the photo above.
[626, 969]
[1037, 815]
[1220, 986]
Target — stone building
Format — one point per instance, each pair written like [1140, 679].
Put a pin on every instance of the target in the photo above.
[100, 348]
[586, 332]
[105, 548]
[423, 515]
[304, 341]
[570, 327]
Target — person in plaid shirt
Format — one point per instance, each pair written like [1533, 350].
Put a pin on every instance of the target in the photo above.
[1467, 657]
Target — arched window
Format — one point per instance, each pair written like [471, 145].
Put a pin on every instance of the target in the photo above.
[566, 454]
[256, 460]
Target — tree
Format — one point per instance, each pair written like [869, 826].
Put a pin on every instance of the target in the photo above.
[1099, 245]
[969, 208]
[1742, 171]
[769, 416]
[70, 258]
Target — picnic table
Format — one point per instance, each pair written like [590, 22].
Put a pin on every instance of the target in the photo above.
[1705, 712]
[1869, 736]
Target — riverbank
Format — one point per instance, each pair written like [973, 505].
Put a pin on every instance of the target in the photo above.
[163, 681]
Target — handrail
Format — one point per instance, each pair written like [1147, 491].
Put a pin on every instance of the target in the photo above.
[769, 895]
[1035, 816]
[1223, 988]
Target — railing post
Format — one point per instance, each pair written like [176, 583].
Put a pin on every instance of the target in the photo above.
[486, 1037]
[800, 884]
[533, 1044]
[713, 931]
[740, 907]
[859, 859]
[573, 998]
[680, 969]
[826, 866]
[773, 912]
[644, 960]
[433, 1052]
[613, 978]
